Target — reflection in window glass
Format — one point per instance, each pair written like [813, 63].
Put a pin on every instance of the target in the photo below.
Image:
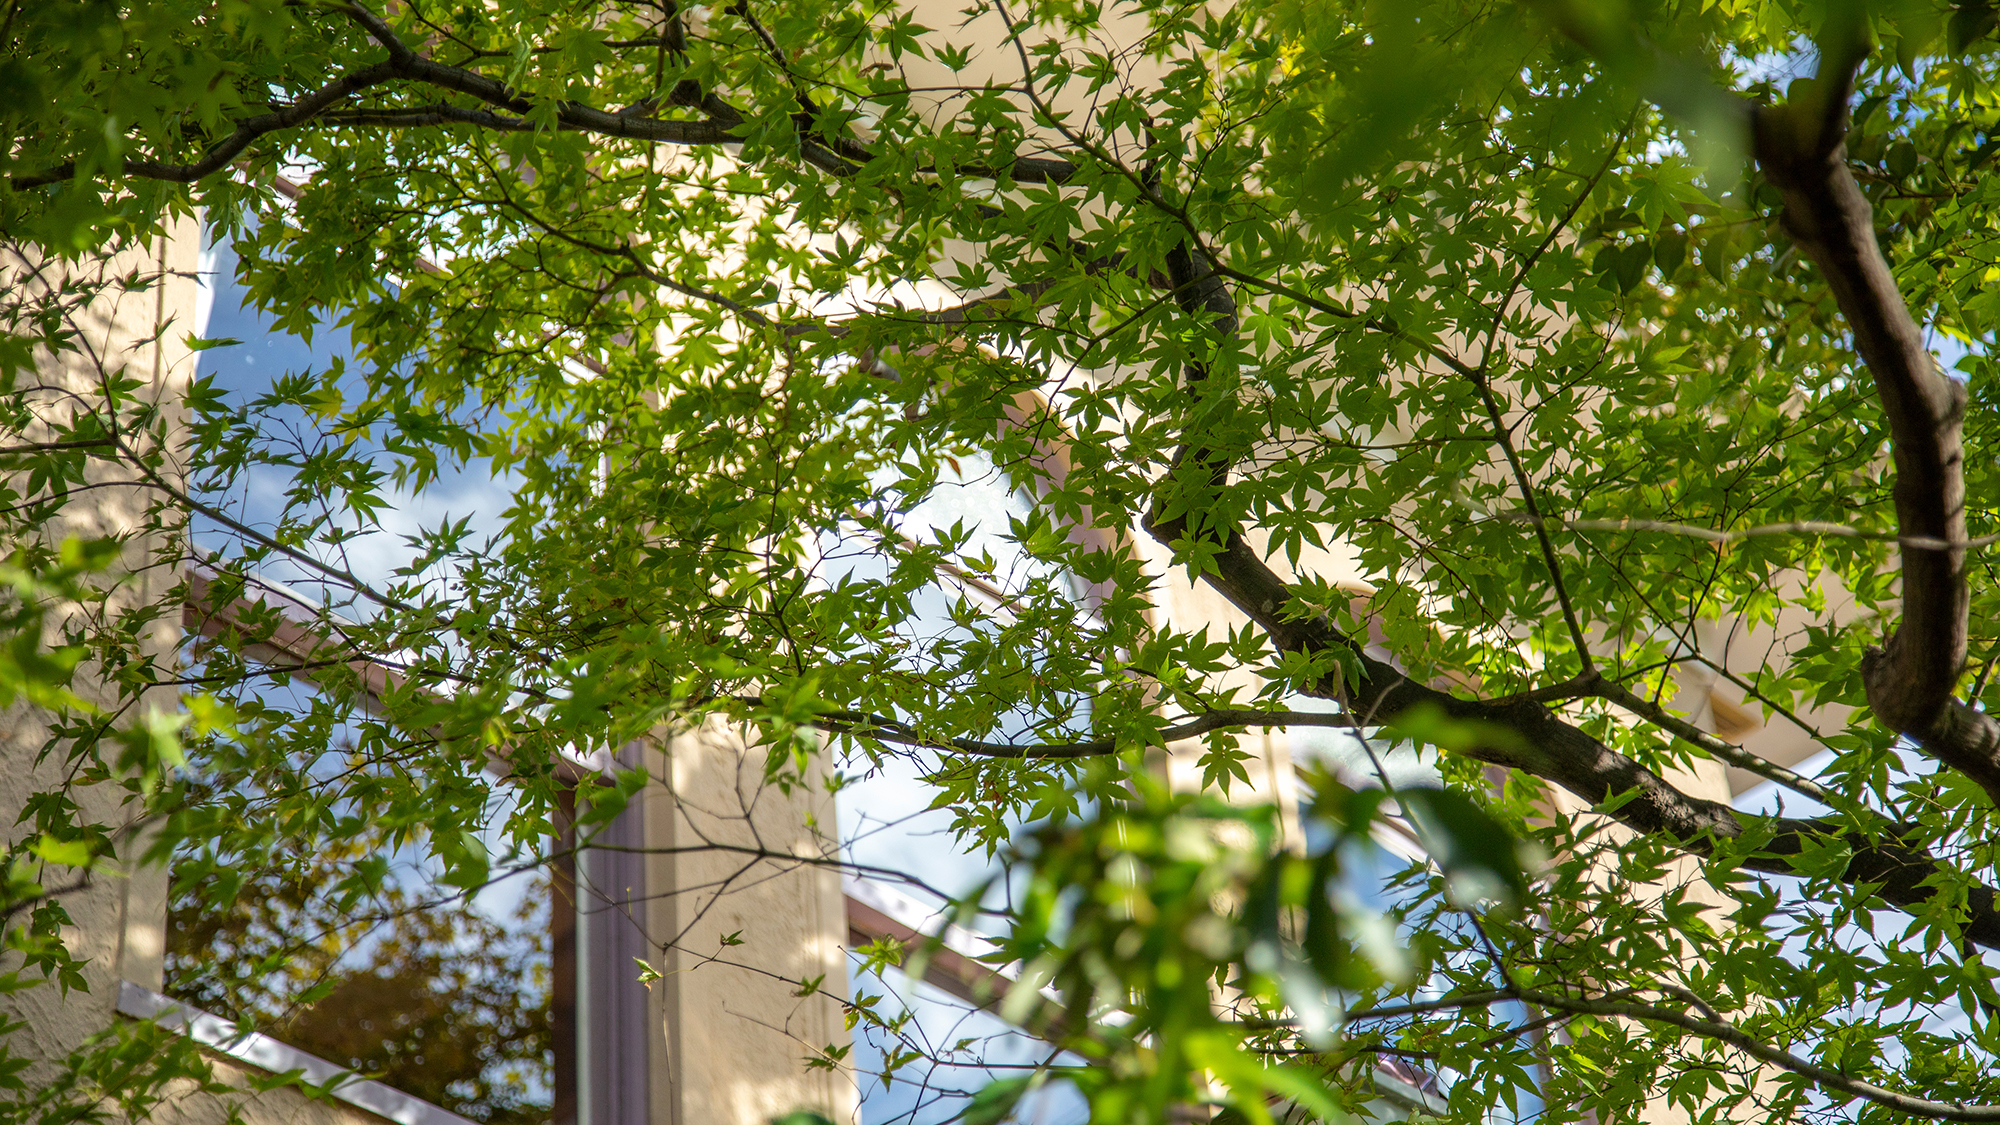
[958, 1049]
[266, 372]
[439, 995]
[446, 1003]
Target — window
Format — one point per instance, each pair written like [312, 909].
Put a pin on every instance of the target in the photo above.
[330, 936]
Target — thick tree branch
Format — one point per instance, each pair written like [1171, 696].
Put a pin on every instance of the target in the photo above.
[220, 154]
[723, 125]
[1197, 467]
[1910, 681]
[1710, 1027]
[1540, 743]
[1537, 741]
[1706, 1023]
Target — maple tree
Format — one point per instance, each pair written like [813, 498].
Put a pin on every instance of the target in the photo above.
[1577, 325]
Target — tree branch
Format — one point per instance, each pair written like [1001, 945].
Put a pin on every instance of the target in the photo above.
[1813, 528]
[1723, 1031]
[721, 126]
[1620, 696]
[641, 128]
[220, 154]
[1540, 743]
[1910, 680]
[1545, 746]
[881, 728]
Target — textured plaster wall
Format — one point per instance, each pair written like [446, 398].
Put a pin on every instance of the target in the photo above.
[735, 1033]
[119, 915]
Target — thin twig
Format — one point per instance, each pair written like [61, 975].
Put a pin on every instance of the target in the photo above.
[1484, 386]
[1620, 696]
[881, 728]
[1791, 527]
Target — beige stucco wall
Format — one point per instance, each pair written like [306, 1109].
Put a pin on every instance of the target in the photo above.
[733, 856]
[119, 914]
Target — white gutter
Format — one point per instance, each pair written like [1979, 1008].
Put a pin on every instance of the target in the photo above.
[266, 1053]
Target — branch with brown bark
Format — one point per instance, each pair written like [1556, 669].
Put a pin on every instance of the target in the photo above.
[1542, 744]
[220, 154]
[1801, 148]
[723, 124]
[1711, 1026]
[1538, 742]
[1911, 680]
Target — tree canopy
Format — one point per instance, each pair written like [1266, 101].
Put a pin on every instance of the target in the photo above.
[1569, 327]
